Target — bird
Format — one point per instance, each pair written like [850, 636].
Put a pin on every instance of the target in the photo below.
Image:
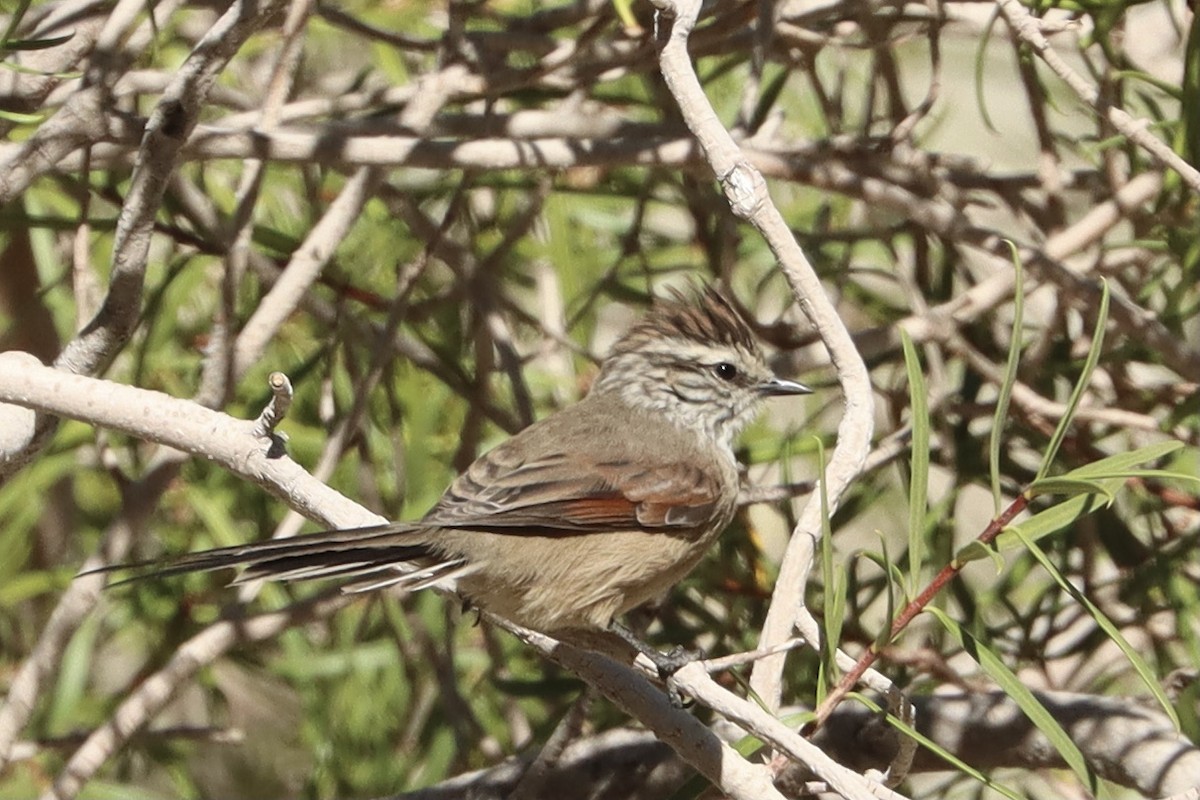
[582, 516]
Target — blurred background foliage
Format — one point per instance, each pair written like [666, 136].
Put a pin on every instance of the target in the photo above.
[869, 118]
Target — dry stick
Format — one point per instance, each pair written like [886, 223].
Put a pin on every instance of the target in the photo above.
[26, 750]
[48, 69]
[275, 410]
[1025, 25]
[179, 424]
[910, 611]
[747, 194]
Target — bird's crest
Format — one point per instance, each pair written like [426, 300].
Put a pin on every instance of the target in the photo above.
[705, 317]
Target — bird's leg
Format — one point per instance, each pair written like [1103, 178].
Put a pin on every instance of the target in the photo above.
[667, 663]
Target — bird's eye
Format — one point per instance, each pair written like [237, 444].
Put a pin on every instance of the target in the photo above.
[726, 371]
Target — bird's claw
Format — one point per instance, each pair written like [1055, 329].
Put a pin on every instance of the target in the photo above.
[673, 660]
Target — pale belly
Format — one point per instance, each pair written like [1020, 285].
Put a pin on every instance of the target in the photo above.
[575, 581]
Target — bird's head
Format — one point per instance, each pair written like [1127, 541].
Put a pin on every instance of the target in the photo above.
[697, 361]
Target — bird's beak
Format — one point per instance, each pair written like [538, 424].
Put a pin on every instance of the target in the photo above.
[777, 387]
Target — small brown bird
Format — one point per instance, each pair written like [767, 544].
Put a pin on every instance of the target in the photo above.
[581, 516]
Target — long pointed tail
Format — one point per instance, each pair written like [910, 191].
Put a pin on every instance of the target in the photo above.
[370, 558]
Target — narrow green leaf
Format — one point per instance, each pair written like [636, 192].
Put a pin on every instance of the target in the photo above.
[1157, 474]
[884, 637]
[1010, 378]
[918, 486]
[14, 20]
[24, 70]
[36, 44]
[977, 551]
[624, 9]
[33, 583]
[980, 69]
[74, 671]
[1089, 366]
[1122, 462]
[834, 596]
[1097, 484]
[1066, 486]
[17, 118]
[1139, 664]
[1055, 518]
[1189, 115]
[773, 84]
[838, 613]
[937, 749]
[1023, 697]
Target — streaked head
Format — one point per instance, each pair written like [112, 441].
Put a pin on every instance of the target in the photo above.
[697, 361]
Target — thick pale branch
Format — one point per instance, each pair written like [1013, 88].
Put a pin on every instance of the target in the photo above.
[180, 424]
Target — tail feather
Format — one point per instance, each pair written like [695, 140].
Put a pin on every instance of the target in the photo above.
[444, 573]
[353, 553]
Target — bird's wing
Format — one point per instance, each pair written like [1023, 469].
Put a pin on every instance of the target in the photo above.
[571, 493]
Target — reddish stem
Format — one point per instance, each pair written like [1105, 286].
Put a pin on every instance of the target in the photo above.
[916, 606]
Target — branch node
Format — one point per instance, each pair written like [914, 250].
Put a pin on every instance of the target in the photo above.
[745, 189]
[275, 411]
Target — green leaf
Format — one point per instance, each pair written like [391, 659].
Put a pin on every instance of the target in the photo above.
[18, 118]
[884, 637]
[977, 551]
[1139, 664]
[1023, 697]
[1190, 105]
[1089, 366]
[14, 20]
[834, 589]
[33, 583]
[1010, 378]
[624, 9]
[1123, 462]
[1090, 487]
[1044, 523]
[1067, 486]
[936, 748]
[36, 44]
[74, 670]
[981, 71]
[918, 486]
[1098, 476]
[1098, 485]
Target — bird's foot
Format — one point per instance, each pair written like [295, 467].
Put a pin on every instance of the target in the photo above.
[667, 664]
[673, 660]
